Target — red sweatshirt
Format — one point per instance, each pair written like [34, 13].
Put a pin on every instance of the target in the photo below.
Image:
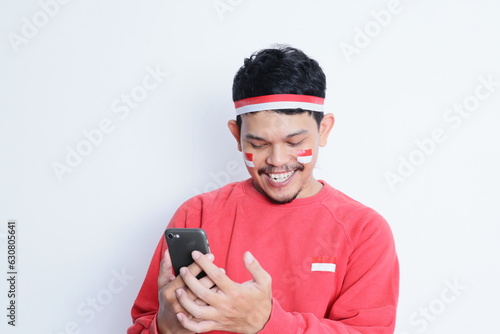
[332, 260]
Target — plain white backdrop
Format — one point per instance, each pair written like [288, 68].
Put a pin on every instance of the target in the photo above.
[112, 113]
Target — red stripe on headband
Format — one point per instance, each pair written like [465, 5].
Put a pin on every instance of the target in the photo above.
[279, 98]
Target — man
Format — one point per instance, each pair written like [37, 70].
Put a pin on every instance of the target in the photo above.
[290, 254]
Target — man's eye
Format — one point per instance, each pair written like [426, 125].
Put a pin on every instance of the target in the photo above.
[257, 146]
[295, 144]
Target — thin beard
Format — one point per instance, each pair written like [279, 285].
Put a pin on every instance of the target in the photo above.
[275, 201]
[286, 201]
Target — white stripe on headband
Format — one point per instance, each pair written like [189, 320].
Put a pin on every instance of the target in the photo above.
[279, 101]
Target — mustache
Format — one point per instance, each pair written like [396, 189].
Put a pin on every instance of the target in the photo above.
[282, 169]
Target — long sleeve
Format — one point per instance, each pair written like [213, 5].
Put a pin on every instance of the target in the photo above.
[146, 305]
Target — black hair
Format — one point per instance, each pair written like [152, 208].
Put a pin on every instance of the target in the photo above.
[281, 70]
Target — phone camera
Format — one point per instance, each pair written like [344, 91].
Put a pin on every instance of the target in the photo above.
[170, 236]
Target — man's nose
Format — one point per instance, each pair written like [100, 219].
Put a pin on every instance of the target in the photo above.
[278, 156]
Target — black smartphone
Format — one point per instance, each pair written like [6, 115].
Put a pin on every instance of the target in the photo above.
[182, 242]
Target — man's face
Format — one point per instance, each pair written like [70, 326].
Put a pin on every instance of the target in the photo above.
[274, 140]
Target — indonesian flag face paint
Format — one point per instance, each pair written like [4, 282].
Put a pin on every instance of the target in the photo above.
[249, 159]
[304, 156]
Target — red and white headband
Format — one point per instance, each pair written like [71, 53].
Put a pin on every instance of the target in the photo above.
[279, 101]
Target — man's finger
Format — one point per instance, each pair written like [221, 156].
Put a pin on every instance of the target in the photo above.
[165, 276]
[195, 325]
[198, 310]
[259, 275]
[195, 269]
[217, 275]
[206, 282]
[196, 287]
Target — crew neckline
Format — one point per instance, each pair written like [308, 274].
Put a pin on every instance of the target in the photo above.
[255, 195]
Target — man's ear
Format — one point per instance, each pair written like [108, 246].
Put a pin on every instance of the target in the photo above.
[325, 127]
[235, 131]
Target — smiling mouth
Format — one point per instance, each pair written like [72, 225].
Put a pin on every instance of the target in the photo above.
[280, 177]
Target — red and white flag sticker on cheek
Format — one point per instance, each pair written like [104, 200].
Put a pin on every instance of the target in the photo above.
[249, 159]
[304, 156]
[324, 263]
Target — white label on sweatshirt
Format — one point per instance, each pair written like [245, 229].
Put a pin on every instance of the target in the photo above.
[323, 267]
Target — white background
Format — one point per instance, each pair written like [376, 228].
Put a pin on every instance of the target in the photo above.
[76, 233]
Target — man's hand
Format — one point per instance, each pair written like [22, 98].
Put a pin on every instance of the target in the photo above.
[166, 319]
[241, 308]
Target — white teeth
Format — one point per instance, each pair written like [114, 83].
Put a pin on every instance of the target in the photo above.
[281, 177]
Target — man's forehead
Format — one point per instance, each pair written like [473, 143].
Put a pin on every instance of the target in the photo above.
[275, 118]
[269, 123]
